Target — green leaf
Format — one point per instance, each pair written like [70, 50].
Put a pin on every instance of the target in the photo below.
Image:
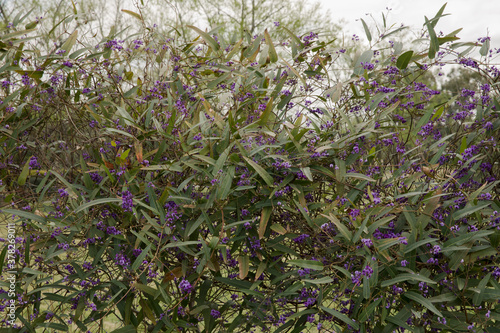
[368, 310]
[55, 326]
[68, 44]
[97, 202]
[467, 210]
[463, 145]
[434, 44]
[407, 277]
[273, 56]
[178, 244]
[147, 289]
[206, 37]
[340, 227]
[134, 14]
[267, 112]
[244, 264]
[263, 173]
[26, 215]
[309, 264]
[2, 258]
[448, 297]
[126, 329]
[297, 74]
[225, 185]
[359, 176]
[140, 258]
[422, 301]
[264, 219]
[404, 60]
[478, 297]
[340, 316]
[415, 245]
[307, 172]
[323, 280]
[485, 48]
[21, 180]
[294, 38]
[367, 31]
[235, 49]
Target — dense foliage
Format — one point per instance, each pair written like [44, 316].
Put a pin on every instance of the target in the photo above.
[259, 186]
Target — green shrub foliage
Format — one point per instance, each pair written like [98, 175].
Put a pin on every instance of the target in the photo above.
[263, 186]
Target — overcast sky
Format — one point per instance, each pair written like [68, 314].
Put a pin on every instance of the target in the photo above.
[478, 18]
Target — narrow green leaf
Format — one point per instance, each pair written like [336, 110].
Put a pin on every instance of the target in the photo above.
[235, 49]
[134, 14]
[434, 43]
[273, 56]
[485, 48]
[469, 210]
[309, 264]
[340, 316]
[178, 244]
[368, 310]
[297, 74]
[68, 44]
[478, 297]
[243, 262]
[265, 115]
[415, 245]
[263, 173]
[422, 301]
[463, 145]
[307, 172]
[340, 227]
[323, 280]
[97, 202]
[294, 38]
[367, 31]
[438, 15]
[126, 329]
[21, 180]
[206, 37]
[407, 277]
[2, 258]
[26, 215]
[264, 219]
[140, 258]
[147, 289]
[359, 176]
[404, 60]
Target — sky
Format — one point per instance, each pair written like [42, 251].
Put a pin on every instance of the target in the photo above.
[478, 18]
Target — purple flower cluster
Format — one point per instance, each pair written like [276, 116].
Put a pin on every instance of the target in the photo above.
[127, 202]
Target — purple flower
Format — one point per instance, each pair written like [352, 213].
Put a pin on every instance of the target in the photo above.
[310, 302]
[301, 239]
[122, 260]
[185, 286]
[33, 164]
[127, 203]
[404, 263]
[353, 213]
[436, 249]
[367, 242]
[62, 192]
[367, 271]
[215, 313]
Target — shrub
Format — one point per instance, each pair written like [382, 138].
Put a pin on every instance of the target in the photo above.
[255, 186]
